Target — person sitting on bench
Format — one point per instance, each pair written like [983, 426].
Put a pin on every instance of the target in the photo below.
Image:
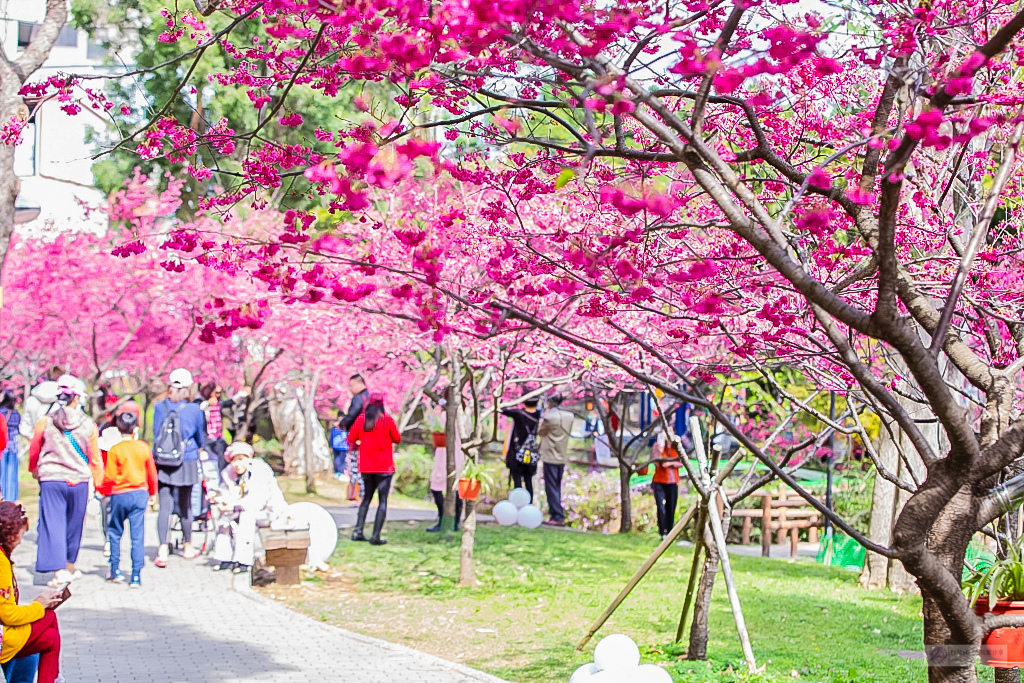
[249, 497]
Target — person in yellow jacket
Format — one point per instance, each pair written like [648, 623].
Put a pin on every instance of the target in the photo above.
[27, 629]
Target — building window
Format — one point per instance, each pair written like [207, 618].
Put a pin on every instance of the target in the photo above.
[26, 32]
[68, 36]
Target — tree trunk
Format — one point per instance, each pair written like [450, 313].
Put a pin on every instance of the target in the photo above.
[11, 106]
[13, 74]
[698, 648]
[466, 574]
[947, 539]
[626, 519]
[451, 433]
[307, 433]
[883, 506]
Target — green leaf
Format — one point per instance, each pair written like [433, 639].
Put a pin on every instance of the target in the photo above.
[564, 177]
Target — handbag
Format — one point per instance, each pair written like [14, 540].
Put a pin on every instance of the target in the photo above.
[339, 439]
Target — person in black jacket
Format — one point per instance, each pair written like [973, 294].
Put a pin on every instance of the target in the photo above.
[360, 397]
[524, 424]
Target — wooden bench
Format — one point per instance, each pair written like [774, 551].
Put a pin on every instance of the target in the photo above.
[286, 552]
[784, 512]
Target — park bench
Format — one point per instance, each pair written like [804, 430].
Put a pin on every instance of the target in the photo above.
[286, 552]
[783, 513]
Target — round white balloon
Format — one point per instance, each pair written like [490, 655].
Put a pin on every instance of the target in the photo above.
[519, 497]
[650, 673]
[609, 677]
[617, 653]
[323, 531]
[530, 516]
[584, 674]
[505, 512]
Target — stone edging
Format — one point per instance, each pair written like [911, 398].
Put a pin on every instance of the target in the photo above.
[240, 584]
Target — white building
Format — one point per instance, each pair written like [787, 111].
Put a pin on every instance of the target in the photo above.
[54, 158]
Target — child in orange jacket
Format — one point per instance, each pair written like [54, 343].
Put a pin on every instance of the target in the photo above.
[130, 481]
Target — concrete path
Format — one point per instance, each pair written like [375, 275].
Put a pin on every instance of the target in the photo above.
[190, 624]
[345, 516]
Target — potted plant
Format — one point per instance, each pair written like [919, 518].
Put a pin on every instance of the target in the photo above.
[436, 426]
[473, 475]
[996, 586]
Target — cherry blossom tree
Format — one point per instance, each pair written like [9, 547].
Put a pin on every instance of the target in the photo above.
[823, 189]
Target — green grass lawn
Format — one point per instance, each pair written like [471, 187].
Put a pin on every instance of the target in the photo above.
[540, 589]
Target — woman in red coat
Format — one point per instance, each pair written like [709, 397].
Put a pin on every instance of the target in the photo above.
[376, 434]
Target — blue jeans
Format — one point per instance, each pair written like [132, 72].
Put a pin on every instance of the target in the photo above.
[21, 670]
[9, 472]
[340, 458]
[129, 506]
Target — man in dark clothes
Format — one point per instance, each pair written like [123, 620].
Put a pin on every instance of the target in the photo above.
[524, 424]
[360, 396]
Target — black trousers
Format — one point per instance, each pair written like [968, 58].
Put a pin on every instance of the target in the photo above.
[522, 476]
[553, 489]
[439, 502]
[665, 498]
[381, 483]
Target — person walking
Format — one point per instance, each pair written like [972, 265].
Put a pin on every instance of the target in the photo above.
[522, 440]
[179, 432]
[665, 483]
[216, 445]
[63, 456]
[439, 482]
[30, 629]
[9, 456]
[339, 448]
[376, 435]
[360, 396]
[129, 482]
[553, 431]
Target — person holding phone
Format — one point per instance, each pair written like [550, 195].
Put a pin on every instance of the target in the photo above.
[27, 629]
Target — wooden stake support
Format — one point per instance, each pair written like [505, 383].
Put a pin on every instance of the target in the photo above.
[715, 519]
[698, 546]
[658, 552]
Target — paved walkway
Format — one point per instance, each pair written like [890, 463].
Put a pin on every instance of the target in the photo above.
[190, 624]
[345, 516]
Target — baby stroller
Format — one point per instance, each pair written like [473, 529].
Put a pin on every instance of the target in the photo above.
[201, 521]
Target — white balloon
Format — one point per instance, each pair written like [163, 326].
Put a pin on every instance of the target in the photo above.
[323, 531]
[530, 516]
[609, 677]
[617, 653]
[519, 497]
[584, 674]
[650, 673]
[505, 512]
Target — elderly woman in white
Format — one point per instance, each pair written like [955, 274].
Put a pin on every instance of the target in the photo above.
[249, 495]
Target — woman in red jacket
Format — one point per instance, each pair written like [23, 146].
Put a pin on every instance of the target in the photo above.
[376, 434]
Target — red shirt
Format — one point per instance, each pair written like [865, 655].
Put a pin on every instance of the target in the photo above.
[376, 452]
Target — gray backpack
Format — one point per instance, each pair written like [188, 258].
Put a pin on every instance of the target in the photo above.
[168, 444]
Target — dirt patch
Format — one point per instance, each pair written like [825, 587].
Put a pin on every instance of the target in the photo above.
[459, 630]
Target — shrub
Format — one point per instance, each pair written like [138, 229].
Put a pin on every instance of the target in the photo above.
[592, 502]
[413, 465]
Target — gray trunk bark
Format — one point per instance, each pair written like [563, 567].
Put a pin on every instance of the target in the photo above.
[883, 503]
[698, 648]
